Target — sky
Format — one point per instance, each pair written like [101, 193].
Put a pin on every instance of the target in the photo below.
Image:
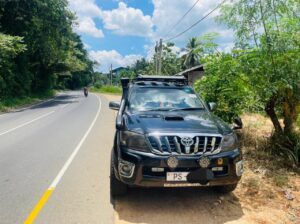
[119, 32]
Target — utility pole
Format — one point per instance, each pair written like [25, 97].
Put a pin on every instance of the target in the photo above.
[156, 58]
[160, 57]
[111, 74]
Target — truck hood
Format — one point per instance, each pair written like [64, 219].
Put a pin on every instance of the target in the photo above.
[175, 122]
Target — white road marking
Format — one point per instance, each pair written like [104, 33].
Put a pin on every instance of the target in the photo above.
[27, 123]
[69, 161]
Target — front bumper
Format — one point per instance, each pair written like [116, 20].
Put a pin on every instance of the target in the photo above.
[143, 175]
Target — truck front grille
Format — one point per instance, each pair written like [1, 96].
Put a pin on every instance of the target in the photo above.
[175, 144]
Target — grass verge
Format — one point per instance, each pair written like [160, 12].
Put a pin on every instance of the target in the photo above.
[115, 90]
[7, 104]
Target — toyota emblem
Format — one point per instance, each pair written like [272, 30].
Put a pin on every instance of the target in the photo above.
[187, 141]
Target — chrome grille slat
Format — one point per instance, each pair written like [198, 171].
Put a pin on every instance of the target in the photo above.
[213, 143]
[158, 143]
[205, 145]
[196, 145]
[177, 145]
[169, 144]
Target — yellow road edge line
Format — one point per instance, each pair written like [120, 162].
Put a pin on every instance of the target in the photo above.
[39, 206]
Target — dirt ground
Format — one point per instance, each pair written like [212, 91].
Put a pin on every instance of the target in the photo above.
[265, 195]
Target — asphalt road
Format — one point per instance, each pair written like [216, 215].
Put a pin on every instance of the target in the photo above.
[36, 146]
[54, 168]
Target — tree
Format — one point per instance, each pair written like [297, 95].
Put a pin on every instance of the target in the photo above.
[225, 85]
[192, 57]
[267, 32]
[171, 63]
[54, 54]
[10, 48]
[140, 66]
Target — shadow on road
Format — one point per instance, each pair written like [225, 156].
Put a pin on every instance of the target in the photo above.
[177, 206]
[59, 100]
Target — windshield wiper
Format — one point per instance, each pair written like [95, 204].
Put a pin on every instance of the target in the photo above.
[188, 108]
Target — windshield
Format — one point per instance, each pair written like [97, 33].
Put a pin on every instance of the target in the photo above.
[147, 99]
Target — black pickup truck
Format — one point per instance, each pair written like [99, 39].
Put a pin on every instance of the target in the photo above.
[167, 136]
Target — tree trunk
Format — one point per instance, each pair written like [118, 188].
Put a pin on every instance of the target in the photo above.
[290, 112]
[270, 110]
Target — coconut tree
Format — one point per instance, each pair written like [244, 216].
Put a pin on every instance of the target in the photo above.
[192, 57]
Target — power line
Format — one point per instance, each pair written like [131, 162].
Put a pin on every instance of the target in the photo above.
[196, 23]
[179, 21]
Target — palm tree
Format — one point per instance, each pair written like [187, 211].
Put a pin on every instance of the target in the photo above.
[192, 57]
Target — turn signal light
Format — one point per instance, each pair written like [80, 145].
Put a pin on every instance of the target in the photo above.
[220, 161]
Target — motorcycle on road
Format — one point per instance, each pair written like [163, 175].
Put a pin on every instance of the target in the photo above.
[85, 91]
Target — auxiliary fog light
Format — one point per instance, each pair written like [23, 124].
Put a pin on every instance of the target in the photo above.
[239, 168]
[126, 168]
[204, 162]
[172, 162]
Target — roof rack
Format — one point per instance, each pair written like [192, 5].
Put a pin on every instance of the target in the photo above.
[153, 80]
[180, 80]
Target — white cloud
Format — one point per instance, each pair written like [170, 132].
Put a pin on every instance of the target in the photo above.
[87, 46]
[168, 12]
[106, 58]
[87, 25]
[85, 11]
[85, 8]
[127, 21]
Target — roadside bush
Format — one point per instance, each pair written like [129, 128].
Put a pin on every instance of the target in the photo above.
[226, 86]
[286, 146]
[108, 89]
[98, 85]
[13, 102]
[111, 89]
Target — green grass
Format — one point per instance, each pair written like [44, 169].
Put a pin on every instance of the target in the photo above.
[280, 180]
[115, 90]
[7, 104]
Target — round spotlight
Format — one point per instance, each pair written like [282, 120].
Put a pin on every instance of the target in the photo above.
[172, 162]
[126, 168]
[204, 162]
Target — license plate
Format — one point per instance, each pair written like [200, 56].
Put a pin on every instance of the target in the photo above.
[177, 176]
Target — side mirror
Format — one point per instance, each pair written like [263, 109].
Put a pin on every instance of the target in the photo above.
[237, 123]
[212, 106]
[114, 105]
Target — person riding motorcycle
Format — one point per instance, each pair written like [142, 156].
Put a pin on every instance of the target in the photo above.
[85, 91]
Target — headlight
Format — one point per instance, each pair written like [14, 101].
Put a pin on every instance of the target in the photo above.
[133, 141]
[229, 142]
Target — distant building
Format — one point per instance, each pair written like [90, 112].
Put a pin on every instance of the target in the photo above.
[192, 74]
[117, 71]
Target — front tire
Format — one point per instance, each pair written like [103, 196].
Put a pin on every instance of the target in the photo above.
[226, 188]
[117, 188]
